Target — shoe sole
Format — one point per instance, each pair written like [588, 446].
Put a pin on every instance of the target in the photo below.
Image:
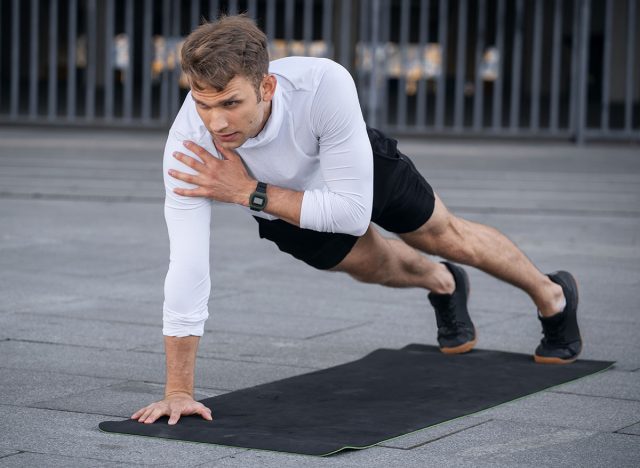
[552, 360]
[463, 348]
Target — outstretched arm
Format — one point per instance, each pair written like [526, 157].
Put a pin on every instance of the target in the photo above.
[178, 396]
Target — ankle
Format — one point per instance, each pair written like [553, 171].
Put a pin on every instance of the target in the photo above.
[443, 281]
[553, 301]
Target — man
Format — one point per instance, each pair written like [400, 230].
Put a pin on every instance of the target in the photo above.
[287, 142]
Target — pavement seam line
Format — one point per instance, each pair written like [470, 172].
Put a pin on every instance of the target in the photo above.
[595, 396]
[81, 458]
[437, 438]
[626, 427]
[61, 410]
[18, 452]
[350, 327]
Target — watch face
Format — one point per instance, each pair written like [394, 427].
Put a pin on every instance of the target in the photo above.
[258, 201]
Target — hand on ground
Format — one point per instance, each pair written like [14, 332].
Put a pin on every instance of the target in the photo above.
[173, 406]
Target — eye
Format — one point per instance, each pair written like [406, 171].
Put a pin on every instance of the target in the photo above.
[231, 103]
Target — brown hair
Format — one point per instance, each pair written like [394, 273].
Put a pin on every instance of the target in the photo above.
[216, 52]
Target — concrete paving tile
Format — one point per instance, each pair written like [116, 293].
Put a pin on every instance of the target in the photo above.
[502, 443]
[574, 411]
[25, 387]
[80, 331]
[260, 321]
[120, 399]
[375, 457]
[55, 461]
[611, 383]
[274, 350]
[116, 310]
[633, 429]
[136, 366]
[62, 433]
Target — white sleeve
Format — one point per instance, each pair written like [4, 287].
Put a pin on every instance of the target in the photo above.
[346, 160]
[187, 285]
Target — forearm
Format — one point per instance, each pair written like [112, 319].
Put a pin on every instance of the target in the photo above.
[284, 203]
[181, 364]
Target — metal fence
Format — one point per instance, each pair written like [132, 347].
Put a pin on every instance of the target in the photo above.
[542, 68]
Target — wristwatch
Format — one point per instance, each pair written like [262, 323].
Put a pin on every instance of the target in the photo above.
[258, 199]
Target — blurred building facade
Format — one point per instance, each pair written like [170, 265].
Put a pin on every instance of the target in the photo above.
[541, 68]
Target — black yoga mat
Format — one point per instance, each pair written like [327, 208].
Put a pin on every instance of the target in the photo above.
[386, 394]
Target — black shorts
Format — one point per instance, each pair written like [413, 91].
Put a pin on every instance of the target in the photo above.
[402, 202]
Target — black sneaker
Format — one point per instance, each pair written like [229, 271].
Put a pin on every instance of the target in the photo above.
[456, 333]
[561, 343]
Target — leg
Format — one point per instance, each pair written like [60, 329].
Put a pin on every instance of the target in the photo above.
[391, 262]
[487, 249]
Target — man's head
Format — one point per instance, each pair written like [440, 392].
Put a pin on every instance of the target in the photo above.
[227, 64]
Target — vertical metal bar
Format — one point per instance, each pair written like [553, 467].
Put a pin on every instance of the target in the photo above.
[288, 24]
[71, 60]
[345, 34]
[382, 75]
[146, 60]
[233, 7]
[166, 73]
[461, 47]
[307, 30]
[1, 56]
[127, 102]
[366, 14]
[90, 92]
[422, 85]
[443, 16]
[606, 59]
[214, 9]
[555, 64]
[271, 20]
[108, 64]
[373, 85]
[252, 9]
[534, 119]
[33, 60]
[575, 36]
[175, 73]
[52, 94]
[629, 83]
[478, 96]
[585, 14]
[402, 81]
[514, 113]
[327, 26]
[195, 13]
[15, 59]
[496, 120]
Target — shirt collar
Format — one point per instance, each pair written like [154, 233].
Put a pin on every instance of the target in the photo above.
[274, 122]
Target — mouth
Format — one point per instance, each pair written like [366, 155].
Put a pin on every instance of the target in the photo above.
[226, 136]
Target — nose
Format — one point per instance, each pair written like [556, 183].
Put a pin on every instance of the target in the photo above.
[217, 122]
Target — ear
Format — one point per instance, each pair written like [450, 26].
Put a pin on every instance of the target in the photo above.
[268, 87]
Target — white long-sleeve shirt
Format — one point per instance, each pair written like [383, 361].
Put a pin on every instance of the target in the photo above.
[314, 141]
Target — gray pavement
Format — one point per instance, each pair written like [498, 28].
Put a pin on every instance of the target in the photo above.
[83, 253]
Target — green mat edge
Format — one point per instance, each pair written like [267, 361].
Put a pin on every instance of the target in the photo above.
[349, 447]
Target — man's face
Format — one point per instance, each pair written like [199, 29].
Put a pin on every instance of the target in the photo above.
[234, 114]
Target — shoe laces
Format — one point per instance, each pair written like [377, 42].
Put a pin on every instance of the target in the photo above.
[554, 332]
[448, 317]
